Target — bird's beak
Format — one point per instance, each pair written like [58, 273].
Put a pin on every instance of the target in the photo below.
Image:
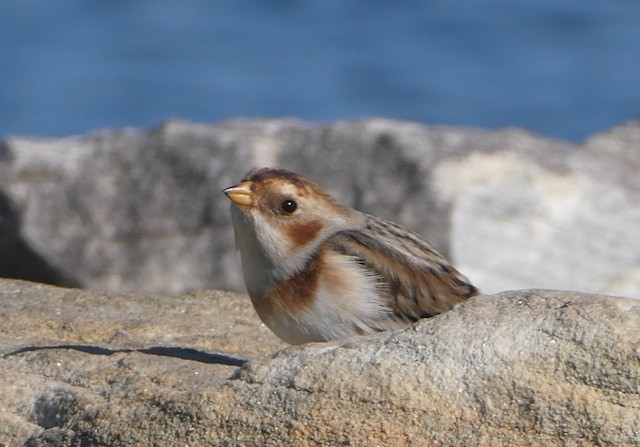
[240, 194]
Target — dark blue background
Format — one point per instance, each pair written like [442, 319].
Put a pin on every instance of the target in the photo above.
[566, 68]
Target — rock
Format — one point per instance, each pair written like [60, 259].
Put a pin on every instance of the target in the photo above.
[528, 368]
[135, 210]
[75, 348]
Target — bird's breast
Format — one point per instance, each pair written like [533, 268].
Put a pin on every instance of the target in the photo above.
[290, 296]
[332, 297]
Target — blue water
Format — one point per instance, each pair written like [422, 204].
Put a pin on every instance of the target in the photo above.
[565, 68]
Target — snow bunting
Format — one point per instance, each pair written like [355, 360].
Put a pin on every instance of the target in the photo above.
[316, 270]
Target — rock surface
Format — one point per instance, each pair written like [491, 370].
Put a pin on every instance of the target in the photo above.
[528, 368]
[134, 210]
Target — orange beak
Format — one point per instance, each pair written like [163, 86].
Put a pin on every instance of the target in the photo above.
[240, 194]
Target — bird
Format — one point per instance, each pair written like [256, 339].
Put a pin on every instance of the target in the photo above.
[316, 270]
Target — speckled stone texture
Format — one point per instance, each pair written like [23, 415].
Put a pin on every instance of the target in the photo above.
[527, 368]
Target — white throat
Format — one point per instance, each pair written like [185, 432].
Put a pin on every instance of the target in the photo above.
[267, 257]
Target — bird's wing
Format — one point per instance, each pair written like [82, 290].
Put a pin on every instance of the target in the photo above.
[418, 280]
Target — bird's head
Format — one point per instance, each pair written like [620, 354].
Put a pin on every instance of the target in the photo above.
[286, 215]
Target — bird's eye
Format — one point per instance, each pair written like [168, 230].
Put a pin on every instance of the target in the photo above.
[289, 206]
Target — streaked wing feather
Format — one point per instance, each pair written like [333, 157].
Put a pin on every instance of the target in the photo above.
[418, 280]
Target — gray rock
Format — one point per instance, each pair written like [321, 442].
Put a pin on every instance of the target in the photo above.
[135, 210]
[530, 368]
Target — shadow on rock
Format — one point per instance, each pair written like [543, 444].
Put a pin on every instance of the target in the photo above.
[17, 259]
[164, 351]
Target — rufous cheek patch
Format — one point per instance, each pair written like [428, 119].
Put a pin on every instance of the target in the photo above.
[303, 233]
